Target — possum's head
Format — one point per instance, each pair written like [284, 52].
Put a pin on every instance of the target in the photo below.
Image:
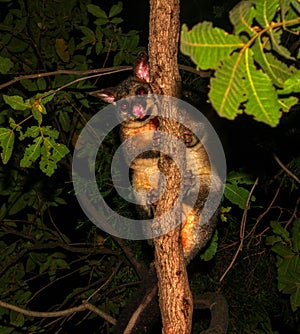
[138, 108]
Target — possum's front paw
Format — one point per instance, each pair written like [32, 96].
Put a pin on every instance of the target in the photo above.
[189, 138]
[152, 199]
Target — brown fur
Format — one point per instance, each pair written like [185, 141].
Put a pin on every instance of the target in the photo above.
[194, 235]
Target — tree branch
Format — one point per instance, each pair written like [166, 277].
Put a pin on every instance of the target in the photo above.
[96, 72]
[85, 306]
[175, 298]
[68, 72]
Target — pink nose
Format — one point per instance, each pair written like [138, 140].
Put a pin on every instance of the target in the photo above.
[138, 111]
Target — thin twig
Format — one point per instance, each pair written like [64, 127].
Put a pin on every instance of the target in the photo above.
[107, 281]
[242, 229]
[285, 169]
[294, 214]
[265, 212]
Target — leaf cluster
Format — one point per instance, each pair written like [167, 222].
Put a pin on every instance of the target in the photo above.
[40, 122]
[255, 72]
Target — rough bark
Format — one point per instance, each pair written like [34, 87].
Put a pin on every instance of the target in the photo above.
[175, 298]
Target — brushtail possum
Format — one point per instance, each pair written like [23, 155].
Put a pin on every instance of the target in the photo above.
[140, 117]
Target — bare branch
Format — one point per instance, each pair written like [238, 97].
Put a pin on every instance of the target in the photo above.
[100, 71]
[85, 306]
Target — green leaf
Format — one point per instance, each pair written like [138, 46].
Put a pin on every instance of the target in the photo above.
[32, 131]
[118, 58]
[211, 250]
[17, 319]
[228, 91]
[16, 102]
[278, 71]
[46, 97]
[5, 65]
[99, 33]
[265, 11]
[290, 9]
[287, 102]
[89, 34]
[96, 11]
[37, 113]
[116, 9]
[101, 21]
[49, 131]
[20, 202]
[289, 279]
[116, 20]
[41, 83]
[283, 251]
[276, 44]
[263, 101]
[273, 239]
[292, 84]
[281, 231]
[30, 85]
[236, 195]
[17, 45]
[51, 153]
[6, 330]
[207, 46]
[61, 48]
[7, 139]
[32, 153]
[99, 48]
[64, 121]
[295, 300]
[241, 16]
[240, 178]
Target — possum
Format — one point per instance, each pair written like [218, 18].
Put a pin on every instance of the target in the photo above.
[140, 117]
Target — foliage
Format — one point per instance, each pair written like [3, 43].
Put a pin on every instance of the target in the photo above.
[287, 247]
[46, 244]
[51, 257]
[254, 72]
[108, 38]
[234, 192]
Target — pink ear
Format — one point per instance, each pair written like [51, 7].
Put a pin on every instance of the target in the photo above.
[141, 67]
[105, 95]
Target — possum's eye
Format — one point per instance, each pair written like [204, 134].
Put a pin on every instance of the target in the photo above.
[141, 91]
[124, 106]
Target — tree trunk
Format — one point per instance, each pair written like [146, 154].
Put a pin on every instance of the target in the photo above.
[175, 298]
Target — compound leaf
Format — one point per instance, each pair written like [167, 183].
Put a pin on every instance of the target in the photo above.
[207, 45]
[263, 100]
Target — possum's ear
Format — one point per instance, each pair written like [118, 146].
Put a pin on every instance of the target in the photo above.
[107, 95]
[141, 67]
